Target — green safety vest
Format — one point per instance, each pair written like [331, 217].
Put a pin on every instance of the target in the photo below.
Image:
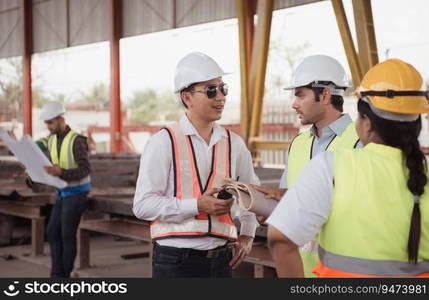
[369, 223]
[300, 153]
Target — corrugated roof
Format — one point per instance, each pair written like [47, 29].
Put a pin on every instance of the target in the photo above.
[64, 23]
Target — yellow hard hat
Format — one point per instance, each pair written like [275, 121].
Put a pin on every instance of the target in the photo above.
[395, 86]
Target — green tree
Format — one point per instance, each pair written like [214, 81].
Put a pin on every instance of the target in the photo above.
[281, 63]
[11, 89]
[98, 94]
[151, 105]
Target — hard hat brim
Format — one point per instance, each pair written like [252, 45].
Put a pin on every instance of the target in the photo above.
[43, 117]
[184, 87]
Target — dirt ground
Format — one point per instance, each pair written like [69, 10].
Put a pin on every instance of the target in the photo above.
[108, 260]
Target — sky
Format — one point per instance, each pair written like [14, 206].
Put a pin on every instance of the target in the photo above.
[149, 60]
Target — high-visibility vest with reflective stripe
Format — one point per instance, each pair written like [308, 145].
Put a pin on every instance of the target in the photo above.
[301, 148]
[65, 159]
[367, 231]
[187, 184]
[300, 153]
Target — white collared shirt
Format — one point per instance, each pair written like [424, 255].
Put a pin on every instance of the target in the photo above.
[153, 199]
[306, 206]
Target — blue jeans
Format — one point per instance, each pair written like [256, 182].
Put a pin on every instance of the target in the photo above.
[61, 232]
[171, 262]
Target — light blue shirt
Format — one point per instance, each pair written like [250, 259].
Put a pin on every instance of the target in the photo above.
[321, 143]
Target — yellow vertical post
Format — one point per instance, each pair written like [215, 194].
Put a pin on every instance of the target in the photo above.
[259, 63]
[242, 8]
[347, 39]
[365, 33]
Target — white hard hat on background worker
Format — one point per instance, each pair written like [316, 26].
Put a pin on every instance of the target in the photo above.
[195, 67]
[51, 110]
[320, 68]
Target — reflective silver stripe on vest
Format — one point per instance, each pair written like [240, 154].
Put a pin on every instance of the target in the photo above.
[71, 163]
[184, 170]
[371, 267]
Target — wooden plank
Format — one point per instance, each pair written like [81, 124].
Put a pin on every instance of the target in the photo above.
[83, 248]
[20, 209]
[124, 228]
[112, 204]
[37, 235]
[6, 230]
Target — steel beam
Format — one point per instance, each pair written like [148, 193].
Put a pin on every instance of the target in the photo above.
[259, 63]
[365, 33]
[347, 39]
[115, 86]
[258, 145]
[245, 14]
[27, 49]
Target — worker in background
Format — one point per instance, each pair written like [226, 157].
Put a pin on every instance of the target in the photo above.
[181, 169]
[319, 82]
[369, 205]
[68, 152]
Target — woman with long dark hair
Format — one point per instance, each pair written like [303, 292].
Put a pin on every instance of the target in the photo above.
[369, 206]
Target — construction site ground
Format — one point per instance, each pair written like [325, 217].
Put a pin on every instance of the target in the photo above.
[111, 257]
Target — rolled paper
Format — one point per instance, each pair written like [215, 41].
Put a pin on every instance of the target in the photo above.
[248, 198]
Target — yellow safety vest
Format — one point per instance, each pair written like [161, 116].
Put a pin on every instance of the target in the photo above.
[368, 227]
[300, 149]
[66, 159]
[300, 153]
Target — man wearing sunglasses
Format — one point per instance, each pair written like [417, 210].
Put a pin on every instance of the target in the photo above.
[181, 170]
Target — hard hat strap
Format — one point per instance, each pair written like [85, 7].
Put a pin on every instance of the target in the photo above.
[392, 93]
[332, 87]
[390, 115]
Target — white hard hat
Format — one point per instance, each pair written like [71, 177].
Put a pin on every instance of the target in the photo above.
[195, 67]
[316, 68]
[51, 110]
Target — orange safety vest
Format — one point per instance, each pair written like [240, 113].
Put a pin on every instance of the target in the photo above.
[188, 184]
[330, 265]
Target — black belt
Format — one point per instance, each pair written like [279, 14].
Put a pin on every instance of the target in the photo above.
[212, 253]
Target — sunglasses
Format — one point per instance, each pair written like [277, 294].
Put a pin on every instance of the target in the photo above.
[211, 90]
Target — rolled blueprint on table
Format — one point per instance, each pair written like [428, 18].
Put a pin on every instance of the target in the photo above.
[30, 155]
[248, 198]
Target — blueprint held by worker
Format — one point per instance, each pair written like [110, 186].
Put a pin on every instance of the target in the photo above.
[30, 155]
